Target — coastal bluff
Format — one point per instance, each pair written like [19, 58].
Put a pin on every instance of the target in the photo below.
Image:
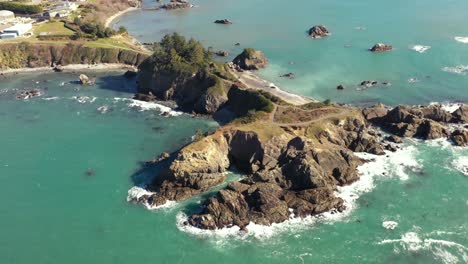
[29, 55]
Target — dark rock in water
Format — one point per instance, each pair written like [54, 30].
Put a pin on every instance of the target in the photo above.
[145, 97]
[288, 75]
[461, 114]
[460, 137]
[380, 47]
[57, 68]
[176, 4]
[130, 74]
[223, 21]
[251, 59]
[161, 158]
[24, 95]
[237, 44]
[340, 87]
[222, 53]
[85, 80]
[318, 31]
[394, 139]
[368, 84]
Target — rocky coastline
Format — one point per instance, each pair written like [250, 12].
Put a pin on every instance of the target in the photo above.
[294, 156]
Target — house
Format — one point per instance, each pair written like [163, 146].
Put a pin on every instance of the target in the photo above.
[6, 15]
[15, 31]
[63, 9]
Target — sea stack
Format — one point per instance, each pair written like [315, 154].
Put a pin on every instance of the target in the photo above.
[318, 31]
[380, 47]
[251, 59]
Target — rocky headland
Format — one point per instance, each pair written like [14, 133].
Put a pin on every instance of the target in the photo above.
[294, 156]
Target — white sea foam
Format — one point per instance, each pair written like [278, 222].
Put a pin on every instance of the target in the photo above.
[51, 98]
[392, 164]
[413, 80]
[84, 99]
[389, 225]
[460, 69]
[449, 107]
[442, 250]
[461, 164]
[135, 193]
[462, 39]
[103, 109]
[148, 106]
[420, 48]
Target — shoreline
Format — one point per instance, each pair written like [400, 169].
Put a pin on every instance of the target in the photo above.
[110, 19]
[253, 81]
[72, 67]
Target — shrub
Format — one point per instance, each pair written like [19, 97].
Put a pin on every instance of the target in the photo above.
[20, 8]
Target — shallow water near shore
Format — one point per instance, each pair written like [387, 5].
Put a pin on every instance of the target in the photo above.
[66, 167]
[279, 29]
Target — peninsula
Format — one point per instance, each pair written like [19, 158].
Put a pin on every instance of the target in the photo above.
[294, 153]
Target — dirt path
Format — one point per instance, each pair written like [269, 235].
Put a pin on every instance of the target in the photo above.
[306, 123]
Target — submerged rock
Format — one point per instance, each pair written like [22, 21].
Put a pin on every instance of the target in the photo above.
[289, 75]
[318, 31]
[24, 95]
[380, 47]
[223, 21]
[130, 74]
[251, 59]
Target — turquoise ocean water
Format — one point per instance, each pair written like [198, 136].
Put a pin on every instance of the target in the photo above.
[279, 29]
[67, 161]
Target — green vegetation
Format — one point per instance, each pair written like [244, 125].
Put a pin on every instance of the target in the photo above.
[249, 105]
[20, 8]
[176, 55]
[26, 54]
[53, 28]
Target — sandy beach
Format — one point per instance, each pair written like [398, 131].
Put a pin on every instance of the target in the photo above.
[253, 81]
[111, 18]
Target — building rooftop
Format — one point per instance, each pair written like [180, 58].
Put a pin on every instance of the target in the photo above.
[6, 13]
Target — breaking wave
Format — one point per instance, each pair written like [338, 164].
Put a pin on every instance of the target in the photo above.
[393, 164]
[461, 69]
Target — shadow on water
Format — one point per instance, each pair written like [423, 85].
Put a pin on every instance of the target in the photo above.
[117, 83]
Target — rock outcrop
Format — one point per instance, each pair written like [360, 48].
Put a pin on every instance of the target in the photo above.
[318, 31]
[287, 173]
[426, 122]
[85, 80]
[176, 4]
[251, 59]
[380, 47]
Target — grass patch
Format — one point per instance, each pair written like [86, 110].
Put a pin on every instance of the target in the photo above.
[52, 28]
[264, 129]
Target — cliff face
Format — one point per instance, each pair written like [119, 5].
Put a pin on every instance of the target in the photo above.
[26, 55]
[292, 168]
[286, 169]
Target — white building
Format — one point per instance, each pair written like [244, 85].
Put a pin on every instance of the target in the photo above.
[6, 15]
[16, 30]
